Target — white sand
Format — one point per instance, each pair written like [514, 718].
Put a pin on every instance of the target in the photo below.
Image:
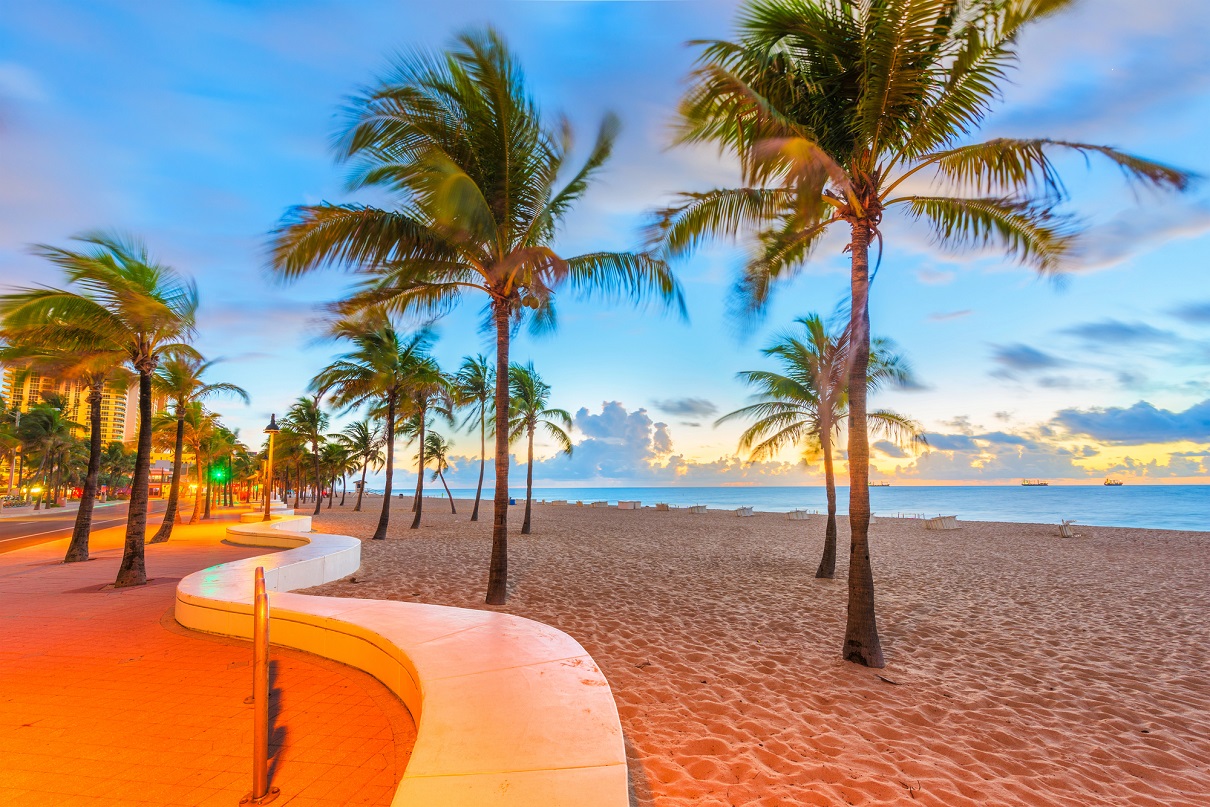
[1027, 669]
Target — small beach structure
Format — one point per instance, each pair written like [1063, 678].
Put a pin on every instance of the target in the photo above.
[697, 509]
[799, 515]
[941, 523]
[661, 506]
[599, 504]
[630, 505]
[744, 512]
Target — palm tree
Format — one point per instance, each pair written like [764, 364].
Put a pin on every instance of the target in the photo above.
[45, 433]
[311, 423]
[437, 450]
[117, 295]
[831, 107]
[197, 435]
[472, 389]
[96, 365]
[116, 465]
[337, 463]
[428, 390]
[179, 379]
[807, 403]
[363, 441]
[376, 372]
[458, 139]
[527, 411]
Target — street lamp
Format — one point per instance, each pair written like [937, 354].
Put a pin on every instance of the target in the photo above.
[272, 429]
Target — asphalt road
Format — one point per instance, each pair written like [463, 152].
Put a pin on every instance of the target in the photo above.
[22, 531]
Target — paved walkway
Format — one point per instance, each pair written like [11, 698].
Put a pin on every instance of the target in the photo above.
[105, 700]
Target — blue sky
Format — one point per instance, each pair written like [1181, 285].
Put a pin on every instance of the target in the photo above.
[197, 124]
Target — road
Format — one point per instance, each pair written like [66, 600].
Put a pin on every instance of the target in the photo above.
[23, 531]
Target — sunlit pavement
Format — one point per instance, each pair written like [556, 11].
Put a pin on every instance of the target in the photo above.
[104, 699]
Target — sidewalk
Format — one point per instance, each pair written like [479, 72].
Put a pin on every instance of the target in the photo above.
[105, 700]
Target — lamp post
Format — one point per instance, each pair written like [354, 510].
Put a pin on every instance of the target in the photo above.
[272, 429]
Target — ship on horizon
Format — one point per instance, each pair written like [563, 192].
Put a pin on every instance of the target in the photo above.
[1035, 483]
[1113, 483]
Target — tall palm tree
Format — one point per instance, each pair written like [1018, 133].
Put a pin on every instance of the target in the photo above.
[376, 372]
[197, 436]
[806, 404]
[116, 465]
[528, 410]
[428, 391]
[179, 379]
[458, 138]
[831, 107]
[437, 450]
[116, 295]
[96, 365]
[363, 440]
[311, 422]
[473, 385]
[45, 434]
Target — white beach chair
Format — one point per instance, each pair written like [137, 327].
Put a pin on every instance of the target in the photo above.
[744, 512]
[798, 515]
[630, 505]
[941, 523]
[1066, 529]
[697, 509]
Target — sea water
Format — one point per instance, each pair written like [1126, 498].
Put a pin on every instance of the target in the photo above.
[1167, 507]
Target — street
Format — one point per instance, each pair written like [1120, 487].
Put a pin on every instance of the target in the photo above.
[23, 531]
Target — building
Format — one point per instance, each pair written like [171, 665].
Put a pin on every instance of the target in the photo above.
[22, 393]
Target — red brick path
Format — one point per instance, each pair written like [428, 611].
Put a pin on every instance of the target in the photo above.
[105, 700]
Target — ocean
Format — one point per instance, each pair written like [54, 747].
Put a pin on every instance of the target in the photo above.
[1168, 507]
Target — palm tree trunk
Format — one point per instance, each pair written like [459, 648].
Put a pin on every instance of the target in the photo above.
[361, 490]
[827, 564]
[171, 516]
[861, 631]
[420, 476]
[209, 489]
[37, 474]
[77, 550]
[344, 488]
[318, 485]
[331, 492]
[196, 515]
[299, 482]
[441, 476]
[133, 571]
[529, 483]
[384, 518]
[482, 457]
[497, 575]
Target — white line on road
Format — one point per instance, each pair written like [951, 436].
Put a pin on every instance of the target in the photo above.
[61, 529]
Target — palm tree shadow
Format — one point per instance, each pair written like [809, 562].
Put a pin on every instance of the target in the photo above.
[277, 733]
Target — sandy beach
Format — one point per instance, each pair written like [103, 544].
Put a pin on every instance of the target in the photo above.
[1022, 668]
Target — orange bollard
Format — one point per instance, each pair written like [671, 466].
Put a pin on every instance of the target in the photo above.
[261, 792]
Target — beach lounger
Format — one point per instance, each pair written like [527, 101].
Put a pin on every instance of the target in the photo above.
[661, 506]
[744, 512]
[630, 505]
[1067, 529]
[941, 523]
[798, 515]
[599, 504]
[697, 509]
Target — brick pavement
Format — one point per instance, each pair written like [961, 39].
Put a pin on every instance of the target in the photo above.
[105, 700]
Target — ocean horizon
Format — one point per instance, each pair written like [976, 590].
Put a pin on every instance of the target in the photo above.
[1168, 507]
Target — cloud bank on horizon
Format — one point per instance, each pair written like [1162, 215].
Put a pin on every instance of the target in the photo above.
[198, 124]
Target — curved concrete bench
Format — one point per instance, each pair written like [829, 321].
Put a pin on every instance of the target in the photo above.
[508, 711]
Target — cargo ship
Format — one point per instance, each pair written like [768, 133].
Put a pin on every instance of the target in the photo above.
[1035, 483]
[1113, 483]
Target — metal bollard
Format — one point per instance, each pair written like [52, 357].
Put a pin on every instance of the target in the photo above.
[261, 792]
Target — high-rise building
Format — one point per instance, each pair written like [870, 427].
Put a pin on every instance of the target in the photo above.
[20, 393]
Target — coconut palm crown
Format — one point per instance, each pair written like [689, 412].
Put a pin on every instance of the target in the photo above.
[530, 408]
[840, 112]
[479, 178]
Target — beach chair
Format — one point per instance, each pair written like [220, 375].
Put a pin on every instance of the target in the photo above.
[661, 506]
[744, 512]
[1067, 529]
[630, 505]
[798, 515]
[697, 509]
[941, 523]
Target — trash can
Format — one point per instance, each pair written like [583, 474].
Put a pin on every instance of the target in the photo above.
[512, 500]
